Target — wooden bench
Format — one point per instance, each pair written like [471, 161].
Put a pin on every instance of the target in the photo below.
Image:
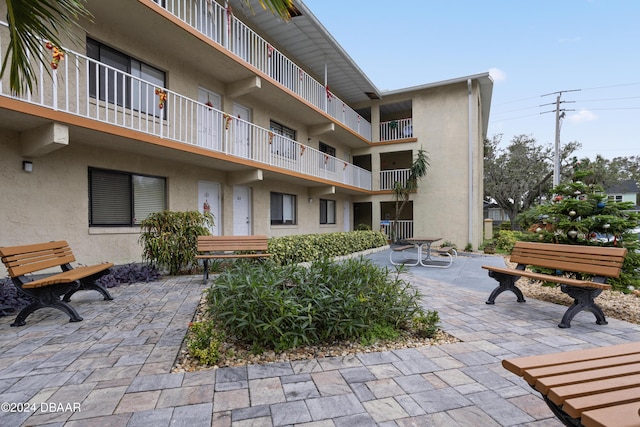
[210, 247]
[601, 262]
[598, 387]
[48, 291]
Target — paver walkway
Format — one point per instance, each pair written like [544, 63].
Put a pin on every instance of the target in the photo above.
[112, 369]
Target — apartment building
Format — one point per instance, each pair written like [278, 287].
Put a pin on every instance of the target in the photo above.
[205, 105]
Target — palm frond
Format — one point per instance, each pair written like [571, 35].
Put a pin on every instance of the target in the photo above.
[30, 24]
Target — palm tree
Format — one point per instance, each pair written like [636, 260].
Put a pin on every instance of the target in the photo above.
[402, 191]
[32, 21]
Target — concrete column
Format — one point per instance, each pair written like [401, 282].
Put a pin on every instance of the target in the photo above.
[488, 229]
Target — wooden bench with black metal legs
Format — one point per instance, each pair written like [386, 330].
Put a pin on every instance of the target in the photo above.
[212, 247]
[601, 262]
[597, 387]
[54, 290]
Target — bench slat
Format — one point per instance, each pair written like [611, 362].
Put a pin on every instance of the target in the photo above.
[625, 415]
[25, 259]
[575, 407]
[598, 260]
[550, 376]
[68, 276]
[519, 364]
[583, 383]
[548, 278]
[209, 256]
[403, 248]
[232, 243]
[618, 368]
[590, 386]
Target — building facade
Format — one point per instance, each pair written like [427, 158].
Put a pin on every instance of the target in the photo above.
[200, 105]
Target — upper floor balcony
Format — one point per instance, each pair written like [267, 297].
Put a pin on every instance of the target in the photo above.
[83, 87]
[219, 25]
[393, 130]
[389, 178]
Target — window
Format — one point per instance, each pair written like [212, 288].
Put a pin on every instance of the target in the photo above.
[615, 198]
[327, 211]
[283, 209]
[283, 142]
[329, 158]
[107, 84]
[123, 199]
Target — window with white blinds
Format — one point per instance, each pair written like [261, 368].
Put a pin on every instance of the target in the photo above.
[123, 199]
[283, 209]
[327, 211]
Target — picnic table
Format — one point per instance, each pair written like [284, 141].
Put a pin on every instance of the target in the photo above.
[424, 253]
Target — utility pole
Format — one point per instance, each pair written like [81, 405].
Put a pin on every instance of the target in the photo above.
[560, 113]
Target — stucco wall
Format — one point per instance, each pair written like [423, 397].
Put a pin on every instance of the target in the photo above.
[51, 203]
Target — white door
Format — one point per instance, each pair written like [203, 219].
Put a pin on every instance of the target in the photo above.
[241, 130]
[241, 211]
[209, 200]
[209, 120]
[346, 215]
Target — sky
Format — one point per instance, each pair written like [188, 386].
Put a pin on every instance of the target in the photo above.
[587, 49]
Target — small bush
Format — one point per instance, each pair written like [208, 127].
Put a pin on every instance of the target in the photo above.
[279, 307]
[426, 324]
[204, 342]
[169, 239]
[506, 240]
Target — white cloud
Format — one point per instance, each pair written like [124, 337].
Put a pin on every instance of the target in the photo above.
[582, 116]
[497, 74]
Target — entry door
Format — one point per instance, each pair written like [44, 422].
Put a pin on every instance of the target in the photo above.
[209, 200]
[241, 211]
[346, 216]
[241, 130]
[209, 120]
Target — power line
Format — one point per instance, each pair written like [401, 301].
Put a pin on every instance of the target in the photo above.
[611, 86]
[560, 113]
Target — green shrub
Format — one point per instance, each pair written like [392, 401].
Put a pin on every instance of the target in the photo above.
[426, 324]
[278, 307]
[506, 240]
[169, 239]
[310, 247]
[204, 342]
[505, 225]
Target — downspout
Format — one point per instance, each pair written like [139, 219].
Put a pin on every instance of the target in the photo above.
[470, 125]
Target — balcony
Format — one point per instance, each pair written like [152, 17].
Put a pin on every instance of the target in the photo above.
[121, 99]
[388, 178]
[404, 229]
[396, 129]
[218, 24]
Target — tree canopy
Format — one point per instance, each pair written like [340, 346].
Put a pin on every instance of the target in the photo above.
[516, 176]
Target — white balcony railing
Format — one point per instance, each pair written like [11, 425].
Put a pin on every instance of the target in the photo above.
[90, 89]
[218, 24]
[388, 178]
[404, 229]
[396, 129]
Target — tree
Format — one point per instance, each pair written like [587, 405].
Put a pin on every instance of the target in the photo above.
[402, 191]
[518, 175]
[31, 22]
[609, 172]
[581, 214]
